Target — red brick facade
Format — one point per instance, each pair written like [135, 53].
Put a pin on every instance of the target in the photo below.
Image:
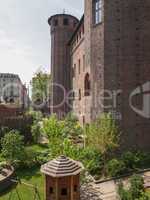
[116, 56]
[62, 28]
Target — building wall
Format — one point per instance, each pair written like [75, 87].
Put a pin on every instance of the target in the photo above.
[81, 103]
[127, 63]
[9, 86]
[12, 90]
[117, 57]
[117, 52]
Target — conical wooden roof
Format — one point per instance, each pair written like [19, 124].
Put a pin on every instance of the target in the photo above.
[62, 167]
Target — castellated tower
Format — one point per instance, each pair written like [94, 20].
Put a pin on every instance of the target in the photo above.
[62, 28]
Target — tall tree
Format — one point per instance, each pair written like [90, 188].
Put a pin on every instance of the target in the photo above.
[103, 134]
[41, 87]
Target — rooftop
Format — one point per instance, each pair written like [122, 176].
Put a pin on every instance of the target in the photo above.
[61, 15]
[62, 167]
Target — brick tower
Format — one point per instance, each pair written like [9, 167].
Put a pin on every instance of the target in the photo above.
[62, 28]
[62, 179]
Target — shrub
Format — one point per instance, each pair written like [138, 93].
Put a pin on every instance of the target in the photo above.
[124, 194]
[12, 146]
[72, 126]
[136, 190]
[53, 128]
[103, 135]
[135, 160]
[115, 168]
[36, 131]
[3, 131]
[137, 186]
[92, 160]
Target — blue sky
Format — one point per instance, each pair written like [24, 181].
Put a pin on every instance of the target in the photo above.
[24, 33]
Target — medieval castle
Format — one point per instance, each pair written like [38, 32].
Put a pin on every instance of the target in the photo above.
[102, 63]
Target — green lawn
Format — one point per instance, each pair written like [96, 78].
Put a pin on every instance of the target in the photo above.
[31, 176]
[38, 148]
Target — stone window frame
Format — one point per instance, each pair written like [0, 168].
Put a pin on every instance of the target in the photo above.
[97, 11]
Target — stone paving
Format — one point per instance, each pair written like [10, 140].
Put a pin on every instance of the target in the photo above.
[103, 191]
[107, 190]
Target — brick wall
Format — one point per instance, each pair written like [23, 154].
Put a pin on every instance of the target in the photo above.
[60, 59]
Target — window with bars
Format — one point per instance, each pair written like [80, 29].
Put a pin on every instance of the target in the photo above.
[97, 11]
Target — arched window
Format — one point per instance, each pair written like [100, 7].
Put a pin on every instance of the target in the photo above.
[87, 85]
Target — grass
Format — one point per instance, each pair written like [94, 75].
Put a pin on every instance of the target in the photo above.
[30, 176]
[37, 147]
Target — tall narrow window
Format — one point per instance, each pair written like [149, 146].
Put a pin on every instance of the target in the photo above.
[79, 65]
[74, 70]
[79, 94]
[97, 11]
[66, 21]
[83, 62]
[87, 85]
[55, 22]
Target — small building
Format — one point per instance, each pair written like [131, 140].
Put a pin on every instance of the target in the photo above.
[62, 179]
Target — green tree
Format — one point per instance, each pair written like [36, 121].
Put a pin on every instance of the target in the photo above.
[136, 190]
[53, 128]
[41, 86]
[12, 146]
[72, 126]
[36, 126]
[103, 134]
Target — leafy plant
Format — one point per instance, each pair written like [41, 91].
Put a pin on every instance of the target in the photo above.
[53, 128]
[136, 190]
[115, 168]
[36, 131]
[72, 126]
[12, 146]
[103, 135]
